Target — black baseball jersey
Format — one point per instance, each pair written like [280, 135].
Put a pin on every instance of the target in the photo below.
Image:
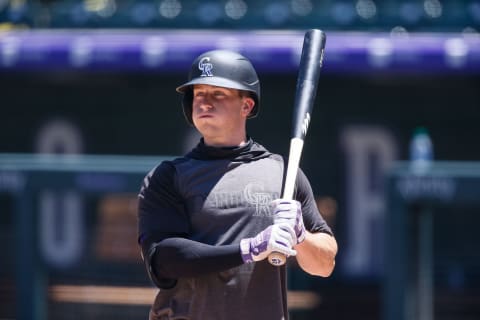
[218, 196]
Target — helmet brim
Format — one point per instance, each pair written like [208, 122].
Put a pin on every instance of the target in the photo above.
[215, 81]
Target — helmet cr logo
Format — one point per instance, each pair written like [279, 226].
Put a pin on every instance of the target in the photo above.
[206, 67]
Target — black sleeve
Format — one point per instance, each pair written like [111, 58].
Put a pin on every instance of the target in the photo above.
[160, 214]
[312, 218]
[173, 258]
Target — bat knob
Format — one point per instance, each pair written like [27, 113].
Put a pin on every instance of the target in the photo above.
[277, 259]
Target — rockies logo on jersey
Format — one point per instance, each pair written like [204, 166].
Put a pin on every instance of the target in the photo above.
[206, 67]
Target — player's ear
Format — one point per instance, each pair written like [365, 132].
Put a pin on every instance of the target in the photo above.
[248, 104]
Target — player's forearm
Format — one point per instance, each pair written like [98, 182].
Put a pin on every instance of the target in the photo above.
[316, 255]
[174, 258]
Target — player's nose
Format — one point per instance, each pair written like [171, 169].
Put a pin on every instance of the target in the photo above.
[205, 106]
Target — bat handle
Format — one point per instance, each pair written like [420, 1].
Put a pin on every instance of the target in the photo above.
[296, 147]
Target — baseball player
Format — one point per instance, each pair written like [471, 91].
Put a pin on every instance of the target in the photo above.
[209, 220]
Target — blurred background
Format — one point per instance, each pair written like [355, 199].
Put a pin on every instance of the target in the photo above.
[94, 81]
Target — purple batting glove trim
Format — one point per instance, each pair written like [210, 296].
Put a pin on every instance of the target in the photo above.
[299, 226]
[246, 251]
[253, 247]
[260, 242]
[282, 243]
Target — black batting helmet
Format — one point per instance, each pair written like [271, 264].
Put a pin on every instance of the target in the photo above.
[221, 68]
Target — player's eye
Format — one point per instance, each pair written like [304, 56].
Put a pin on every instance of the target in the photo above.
[219, 94]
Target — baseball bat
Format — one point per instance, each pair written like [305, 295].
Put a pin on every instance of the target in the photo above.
[308, 74]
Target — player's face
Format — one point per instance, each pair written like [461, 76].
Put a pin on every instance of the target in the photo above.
[219, 113]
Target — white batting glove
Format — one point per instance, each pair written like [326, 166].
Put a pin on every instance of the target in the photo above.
[290, 212]
[275, 238]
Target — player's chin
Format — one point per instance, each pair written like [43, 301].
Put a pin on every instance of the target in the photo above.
[205, 124]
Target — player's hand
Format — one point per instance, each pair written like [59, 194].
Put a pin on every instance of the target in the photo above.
[290, 212]
[275, 238]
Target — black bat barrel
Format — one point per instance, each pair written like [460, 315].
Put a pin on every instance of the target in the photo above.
[308, 74]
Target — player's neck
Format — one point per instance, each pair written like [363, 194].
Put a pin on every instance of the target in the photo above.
[226, 141]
